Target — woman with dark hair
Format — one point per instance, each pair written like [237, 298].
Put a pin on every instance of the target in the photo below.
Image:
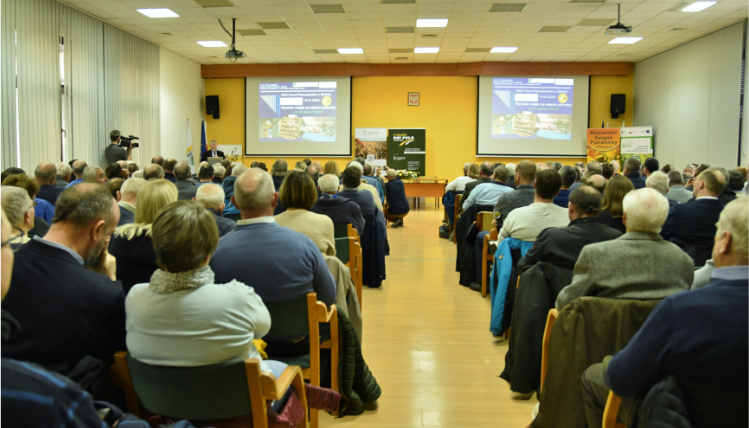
[298, 195]
[611, 210]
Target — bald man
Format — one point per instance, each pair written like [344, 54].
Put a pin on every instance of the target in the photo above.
[46, 175]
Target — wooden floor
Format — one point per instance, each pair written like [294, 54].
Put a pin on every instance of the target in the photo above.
[427, 340]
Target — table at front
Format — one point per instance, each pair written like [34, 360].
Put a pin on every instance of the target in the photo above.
[425, 187]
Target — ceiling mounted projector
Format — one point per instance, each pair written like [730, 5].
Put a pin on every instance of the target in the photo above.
[618, 29]
[233, 54]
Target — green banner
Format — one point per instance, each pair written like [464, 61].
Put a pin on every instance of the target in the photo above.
[407, 149]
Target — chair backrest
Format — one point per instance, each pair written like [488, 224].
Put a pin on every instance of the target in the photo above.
[340, 230]
[289, 319]
[217, 391]
[342, 249]
[484, 220]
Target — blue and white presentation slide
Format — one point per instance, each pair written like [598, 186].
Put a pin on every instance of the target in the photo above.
[530, 108]
[302, 111]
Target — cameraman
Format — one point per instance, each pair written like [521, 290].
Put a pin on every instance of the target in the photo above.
[114, 152]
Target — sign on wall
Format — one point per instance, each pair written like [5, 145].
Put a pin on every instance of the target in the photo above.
[371, 144]
[637, 141]
[407, 149]
[604, 145]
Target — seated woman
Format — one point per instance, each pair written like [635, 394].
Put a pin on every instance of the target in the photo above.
[611, 210]
[19, 208]
[181, 317]
[298, 195]
[131, 243]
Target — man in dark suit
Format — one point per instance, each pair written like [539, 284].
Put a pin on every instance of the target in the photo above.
[214, 152]
[397, 203]
[692, 225]
[211, 197]
[338, 208]
[637, 265]
[69, 305]
[45, 174]
[128, 197]
[186, 189]
[632, 171]
[351, 178]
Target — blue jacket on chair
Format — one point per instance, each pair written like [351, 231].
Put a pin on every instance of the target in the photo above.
[500, 277]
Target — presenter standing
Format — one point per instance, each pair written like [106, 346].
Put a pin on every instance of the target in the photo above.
[114, 152]
[213, 153]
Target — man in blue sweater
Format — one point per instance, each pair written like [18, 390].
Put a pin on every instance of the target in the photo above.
[700, 335]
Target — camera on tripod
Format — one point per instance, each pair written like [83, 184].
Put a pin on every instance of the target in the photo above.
[125, 141]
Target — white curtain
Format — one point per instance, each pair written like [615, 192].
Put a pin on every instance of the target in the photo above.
[131, 88]
[111, 82]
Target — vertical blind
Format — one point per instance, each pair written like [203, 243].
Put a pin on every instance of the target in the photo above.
[111, 82]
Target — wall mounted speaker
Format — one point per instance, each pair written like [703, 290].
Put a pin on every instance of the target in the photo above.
[211, 105]
[617, 105]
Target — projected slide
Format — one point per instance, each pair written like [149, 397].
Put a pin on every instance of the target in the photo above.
[302, 111]
[529, 108]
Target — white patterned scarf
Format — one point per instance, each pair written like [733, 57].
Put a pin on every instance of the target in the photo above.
[163, 282]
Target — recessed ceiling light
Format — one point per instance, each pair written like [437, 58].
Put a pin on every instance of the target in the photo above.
[345, 51]
[426, 50]
[625, 40]
[158, 13]
[506, 49]
[212, 44]
[698, 6]
[431, 22]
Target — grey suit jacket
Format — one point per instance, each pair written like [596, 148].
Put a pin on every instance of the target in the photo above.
[637, 265]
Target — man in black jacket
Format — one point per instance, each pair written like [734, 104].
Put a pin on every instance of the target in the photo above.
[397, 204]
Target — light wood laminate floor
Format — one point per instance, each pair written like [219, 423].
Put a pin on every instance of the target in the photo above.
[427, 340]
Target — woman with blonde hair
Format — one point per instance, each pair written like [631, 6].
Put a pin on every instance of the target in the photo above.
[131, 243]
[298, 195]
[331, 167]
[611, 210]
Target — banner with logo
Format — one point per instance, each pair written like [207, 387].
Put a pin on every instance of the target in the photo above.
[604, 145]
[637, 141]
[371, 144]
[407, 149]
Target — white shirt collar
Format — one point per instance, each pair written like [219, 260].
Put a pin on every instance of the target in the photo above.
[256, 220]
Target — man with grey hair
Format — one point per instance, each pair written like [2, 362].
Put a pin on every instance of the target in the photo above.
[338, 208]
[676, 191]
[128, 197]
[64, 171]
[218, 173]
[45, 174]
[712, 319]
[244, 255]
[185, 188]
[227, 185]
[19, 208]
[659, 181]
[78, 167]
[211, 197]
[637, 265]
[153, 172]
[213, 152]
[595, 180]
[94, 174]
[59, 276]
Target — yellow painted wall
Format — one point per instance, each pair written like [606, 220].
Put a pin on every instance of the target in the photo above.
[448, 111]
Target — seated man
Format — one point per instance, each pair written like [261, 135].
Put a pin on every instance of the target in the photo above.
[485, 176]
[351, 179]
[64, 172]
[338, 208]
[691, 226]
[700, 335]
[128, 197]
[488, 193]
[470, 173]
[396, 206]
[185, 187]
[568, 179]
[632, 171]
[69, 306]
[45, 174]
[211, 197]
[279, 263]
[560, 248]
[659, 181]
[637, 265]
[676, 191]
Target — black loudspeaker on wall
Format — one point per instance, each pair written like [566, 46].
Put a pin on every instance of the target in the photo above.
[617, 104]
[211, 105]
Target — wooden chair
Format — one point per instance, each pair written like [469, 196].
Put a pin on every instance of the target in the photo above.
[550, 320]
[214, 392]
[613, 402]
[458, 210]
[484, 221]
[297, 318]
[349, 251]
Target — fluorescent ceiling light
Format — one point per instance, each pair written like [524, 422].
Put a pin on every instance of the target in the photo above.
[698, 6]
[431, 22]
[625, 40]
[426, 50]
[213, 44]
[345, 51]
[158, 13]
[506, 49]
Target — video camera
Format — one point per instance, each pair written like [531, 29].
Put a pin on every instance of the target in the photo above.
[125, 141]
